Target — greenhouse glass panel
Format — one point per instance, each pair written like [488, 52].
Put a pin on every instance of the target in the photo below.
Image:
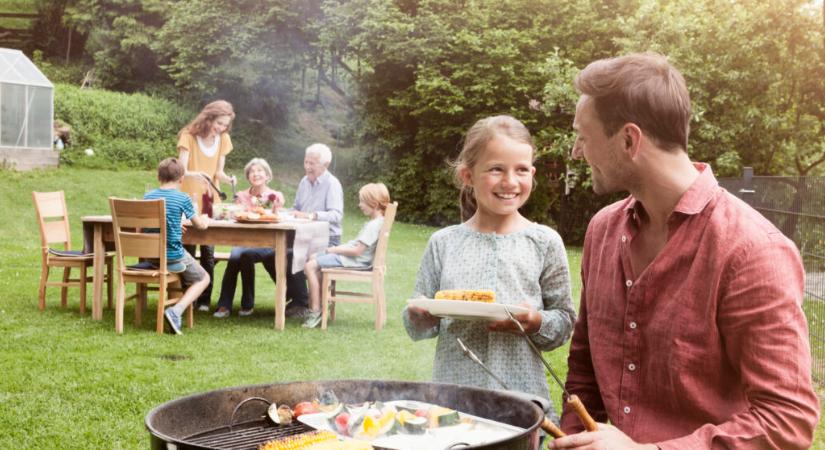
[12, 115]
[40, 117]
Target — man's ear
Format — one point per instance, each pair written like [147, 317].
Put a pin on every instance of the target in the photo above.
[632, 136]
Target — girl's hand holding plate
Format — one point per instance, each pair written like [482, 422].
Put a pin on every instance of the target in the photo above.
[530, 320]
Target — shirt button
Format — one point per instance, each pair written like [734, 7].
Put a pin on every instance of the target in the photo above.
[631, 367]
[624, 238]
[632, 325]
[629, 283]
[626, 410]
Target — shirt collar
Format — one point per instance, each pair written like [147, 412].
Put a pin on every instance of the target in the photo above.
[694, 200]
[321, 178]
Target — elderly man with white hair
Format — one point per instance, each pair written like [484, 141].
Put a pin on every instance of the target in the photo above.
[319, 197]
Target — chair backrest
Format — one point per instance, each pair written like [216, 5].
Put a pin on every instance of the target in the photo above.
[136, 224]
[380, 259]
[52, 205]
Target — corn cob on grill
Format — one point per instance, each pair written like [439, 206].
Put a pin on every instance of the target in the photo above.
[314, 440]
[467, 295]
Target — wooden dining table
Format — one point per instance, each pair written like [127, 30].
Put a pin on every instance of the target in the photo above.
[99, 238]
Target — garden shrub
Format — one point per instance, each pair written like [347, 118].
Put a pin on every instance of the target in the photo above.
[124, 130]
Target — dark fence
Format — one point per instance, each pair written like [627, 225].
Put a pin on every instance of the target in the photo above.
[796, 205]
[19, 35]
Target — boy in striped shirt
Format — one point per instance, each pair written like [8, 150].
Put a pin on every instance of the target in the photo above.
[178, 204]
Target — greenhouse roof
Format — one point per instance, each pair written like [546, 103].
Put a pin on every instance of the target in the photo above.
[16, 68]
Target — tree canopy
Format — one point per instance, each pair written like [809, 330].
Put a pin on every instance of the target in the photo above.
[418, 73]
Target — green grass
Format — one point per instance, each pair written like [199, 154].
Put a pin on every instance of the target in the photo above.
[70, 382]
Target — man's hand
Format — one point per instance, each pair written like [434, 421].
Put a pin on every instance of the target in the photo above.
[531, 321]
[421, 319]
[607, 437]
[300, 214]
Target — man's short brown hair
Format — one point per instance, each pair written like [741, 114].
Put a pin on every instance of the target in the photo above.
[640, 88]
[169, 170]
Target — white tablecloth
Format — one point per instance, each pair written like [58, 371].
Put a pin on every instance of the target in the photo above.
[310, 238]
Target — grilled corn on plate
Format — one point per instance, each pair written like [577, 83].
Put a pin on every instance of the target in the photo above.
[467, 295]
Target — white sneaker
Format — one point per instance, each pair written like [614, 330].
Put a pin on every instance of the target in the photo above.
[174, 320]
[313, 319]
[203, 308]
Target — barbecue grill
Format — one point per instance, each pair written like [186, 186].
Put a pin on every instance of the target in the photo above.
[214, 420]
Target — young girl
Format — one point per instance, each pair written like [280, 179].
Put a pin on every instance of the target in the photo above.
[496, 249]
[359, 252]
[202, 148]
[242, 259]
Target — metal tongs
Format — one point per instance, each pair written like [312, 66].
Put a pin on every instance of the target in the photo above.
[221, 193]
[572, 399]
[546, 424]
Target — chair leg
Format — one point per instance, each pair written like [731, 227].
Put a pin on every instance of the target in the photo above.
[331, 306]
[109, 281]
[64, 290]
[161, 304]
[325, 286]
[376, 299]
[83, 281]
[121, 299]
[44, 277]
[383, 299]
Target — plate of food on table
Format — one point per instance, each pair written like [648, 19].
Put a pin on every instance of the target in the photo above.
[257, 215]
[466, 304]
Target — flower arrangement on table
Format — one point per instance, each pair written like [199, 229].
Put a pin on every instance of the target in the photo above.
[262, 208]
[269, 203]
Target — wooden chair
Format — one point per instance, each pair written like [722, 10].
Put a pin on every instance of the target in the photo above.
[373, 276]
[131, 219]
[53, 219]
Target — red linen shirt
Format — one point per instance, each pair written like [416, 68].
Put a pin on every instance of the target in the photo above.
[708, 346]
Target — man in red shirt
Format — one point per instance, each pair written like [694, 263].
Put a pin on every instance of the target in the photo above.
[691, 333]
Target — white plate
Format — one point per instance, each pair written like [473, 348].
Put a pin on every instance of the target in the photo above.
[480, 432]
[462, 310]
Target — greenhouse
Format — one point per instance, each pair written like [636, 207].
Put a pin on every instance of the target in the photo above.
[26, 113]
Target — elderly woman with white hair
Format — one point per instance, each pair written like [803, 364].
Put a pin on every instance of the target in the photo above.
[242, 259]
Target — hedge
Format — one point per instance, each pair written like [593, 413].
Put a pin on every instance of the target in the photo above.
[123, 130]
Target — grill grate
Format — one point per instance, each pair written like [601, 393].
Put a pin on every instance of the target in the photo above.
[245, 436]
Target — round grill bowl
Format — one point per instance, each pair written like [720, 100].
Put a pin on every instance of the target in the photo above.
[202, 421]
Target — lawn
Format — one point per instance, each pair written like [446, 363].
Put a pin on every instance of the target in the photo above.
[70, 382]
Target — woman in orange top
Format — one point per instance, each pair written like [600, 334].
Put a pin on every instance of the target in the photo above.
[202, 148]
